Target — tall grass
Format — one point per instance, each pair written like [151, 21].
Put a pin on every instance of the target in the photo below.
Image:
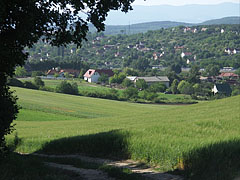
[183, 137]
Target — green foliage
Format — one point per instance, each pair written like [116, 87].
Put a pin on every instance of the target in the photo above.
[212, 70]
[176, 68]
[37, 73]
[30, 85]
[38, 82]
[204, 134]
[194, 74]
[141, 64]
[8, 113]
[67, 88]
[127, 83]
[236, 91]
[130, 93]
[20, 71]
[56, 75]
[147, 95]
[157, 87]
[103, 78]
[117, 78]
[174, 86]
[141, 84]
[15, 82]
[23, 24]
[185, 87]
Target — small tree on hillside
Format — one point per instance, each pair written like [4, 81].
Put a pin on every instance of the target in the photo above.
[67, 88]
[103, 78]
[141, 84]
[20, 71]
[157, 87]
[127, 83]
[130, 93]
[174, 86]
[185, 87]
[38, 82]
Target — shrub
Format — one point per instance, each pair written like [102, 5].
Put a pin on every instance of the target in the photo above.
[103, 78]
[157, 87]
[130, 93]
[67, 88]
[141, 84]
[127, 83]
[38, 82]
[29, 85]
[185, 87]
[150, 96]
[37, 73]
[15, 82]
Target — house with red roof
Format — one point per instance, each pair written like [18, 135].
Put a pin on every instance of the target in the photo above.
[228, 75]
[52, 72]
[92, 75]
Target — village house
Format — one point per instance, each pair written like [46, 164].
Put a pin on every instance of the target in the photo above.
[228, 75]
[155, 79]
[185, 54]
[157, 55]
[52, 72]
[92, 75]
[224, 89]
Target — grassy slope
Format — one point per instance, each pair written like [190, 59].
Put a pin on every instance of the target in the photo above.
[159, 134]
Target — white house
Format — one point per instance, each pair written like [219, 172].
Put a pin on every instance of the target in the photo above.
[92, 75]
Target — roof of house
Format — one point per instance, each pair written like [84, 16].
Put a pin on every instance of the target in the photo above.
[224, 88]
[90, 72]
[51, 72]
[155, 79]
[228, 74]
[70, 71]
[132, 78]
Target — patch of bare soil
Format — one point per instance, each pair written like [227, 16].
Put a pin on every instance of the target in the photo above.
[134, 166]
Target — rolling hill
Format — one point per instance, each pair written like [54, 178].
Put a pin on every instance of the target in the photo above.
[203, 139]
[144, 27]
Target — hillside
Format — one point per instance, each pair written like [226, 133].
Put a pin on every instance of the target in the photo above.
[170, 136]
[194, 13]
[144, 27]
[226, 20]
[202, 45]
[139, 28]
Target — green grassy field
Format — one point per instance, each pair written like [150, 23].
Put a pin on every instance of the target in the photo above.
[85, 89]
[203, 139]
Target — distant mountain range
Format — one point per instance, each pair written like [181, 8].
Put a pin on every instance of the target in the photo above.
[187, 13]
[144, 27]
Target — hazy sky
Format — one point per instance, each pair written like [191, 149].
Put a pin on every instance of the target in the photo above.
[180, 2]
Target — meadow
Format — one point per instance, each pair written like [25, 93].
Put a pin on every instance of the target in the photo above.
[201, 140]
[105, 92]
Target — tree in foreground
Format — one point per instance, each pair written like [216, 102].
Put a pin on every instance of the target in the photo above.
[23, 23]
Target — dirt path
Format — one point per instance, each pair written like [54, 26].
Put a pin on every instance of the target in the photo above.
[134, 166]
[87, 174]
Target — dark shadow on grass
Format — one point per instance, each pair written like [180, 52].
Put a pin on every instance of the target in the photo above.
[219, 161]
[111, 144]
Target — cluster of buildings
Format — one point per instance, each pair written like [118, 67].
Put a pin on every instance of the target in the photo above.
[92, 76]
